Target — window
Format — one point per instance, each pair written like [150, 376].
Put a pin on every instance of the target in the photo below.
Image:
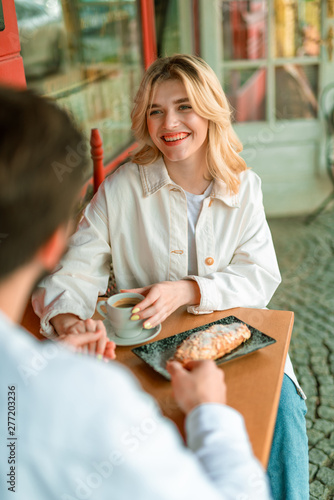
[174, 20]
[297, 35]
[167, 27]
[271, 57]
[87, 56]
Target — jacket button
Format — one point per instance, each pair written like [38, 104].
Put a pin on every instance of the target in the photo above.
[209, 261]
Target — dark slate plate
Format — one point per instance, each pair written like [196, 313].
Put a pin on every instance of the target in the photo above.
[157, 353]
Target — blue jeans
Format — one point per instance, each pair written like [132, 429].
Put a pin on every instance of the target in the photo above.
[288, 463]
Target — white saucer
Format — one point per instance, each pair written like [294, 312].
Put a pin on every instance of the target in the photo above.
[144, 336]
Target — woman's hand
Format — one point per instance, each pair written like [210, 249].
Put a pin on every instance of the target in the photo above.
[88, 336]
[162, 299]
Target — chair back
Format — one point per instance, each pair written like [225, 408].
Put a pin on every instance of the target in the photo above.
[96, 150]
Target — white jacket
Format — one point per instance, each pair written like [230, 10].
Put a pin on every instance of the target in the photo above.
[139, 218]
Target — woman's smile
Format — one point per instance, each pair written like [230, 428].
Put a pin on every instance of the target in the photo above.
[175, 139]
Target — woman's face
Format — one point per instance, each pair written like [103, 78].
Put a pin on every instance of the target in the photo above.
[174, 127]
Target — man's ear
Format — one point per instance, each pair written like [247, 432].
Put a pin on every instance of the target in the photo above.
[51, 252]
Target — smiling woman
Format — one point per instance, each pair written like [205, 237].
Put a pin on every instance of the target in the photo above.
[194, 232]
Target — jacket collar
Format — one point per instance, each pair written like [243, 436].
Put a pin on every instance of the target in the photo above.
[155, 176]
[220, 192]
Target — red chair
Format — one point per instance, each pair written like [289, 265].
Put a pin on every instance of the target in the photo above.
[97, 157]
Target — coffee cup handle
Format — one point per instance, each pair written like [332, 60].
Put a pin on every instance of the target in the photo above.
[98, 307]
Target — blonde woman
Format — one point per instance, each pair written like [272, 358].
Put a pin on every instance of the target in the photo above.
[184, 224]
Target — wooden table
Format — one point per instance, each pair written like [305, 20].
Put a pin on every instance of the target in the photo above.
[253, 381]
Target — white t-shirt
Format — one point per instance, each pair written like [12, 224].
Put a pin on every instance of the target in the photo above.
[194, 206]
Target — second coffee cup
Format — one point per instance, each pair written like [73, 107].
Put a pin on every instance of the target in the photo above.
[118, 310]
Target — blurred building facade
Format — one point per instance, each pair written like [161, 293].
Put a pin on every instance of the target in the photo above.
[274, 59]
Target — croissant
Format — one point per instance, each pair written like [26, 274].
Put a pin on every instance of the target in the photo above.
[212, 343]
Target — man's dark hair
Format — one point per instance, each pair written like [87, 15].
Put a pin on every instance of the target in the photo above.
[42, 160]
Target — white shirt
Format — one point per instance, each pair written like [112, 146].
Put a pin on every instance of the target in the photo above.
[138, 218]
[85, 429]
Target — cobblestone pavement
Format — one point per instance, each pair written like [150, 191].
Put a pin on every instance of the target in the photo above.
[306, 258]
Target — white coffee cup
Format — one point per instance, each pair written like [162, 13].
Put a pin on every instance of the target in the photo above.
[119, 311]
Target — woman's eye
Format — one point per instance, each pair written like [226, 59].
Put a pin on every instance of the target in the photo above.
[153, 112]
[184, 106]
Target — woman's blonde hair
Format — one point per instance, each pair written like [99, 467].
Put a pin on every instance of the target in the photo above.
[208, 101]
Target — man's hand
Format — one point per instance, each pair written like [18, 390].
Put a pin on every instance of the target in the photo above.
[62, 322]
[162, 299]
[85, 335]
[199, 382]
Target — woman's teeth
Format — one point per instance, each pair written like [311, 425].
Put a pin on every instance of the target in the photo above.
[175, 138]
